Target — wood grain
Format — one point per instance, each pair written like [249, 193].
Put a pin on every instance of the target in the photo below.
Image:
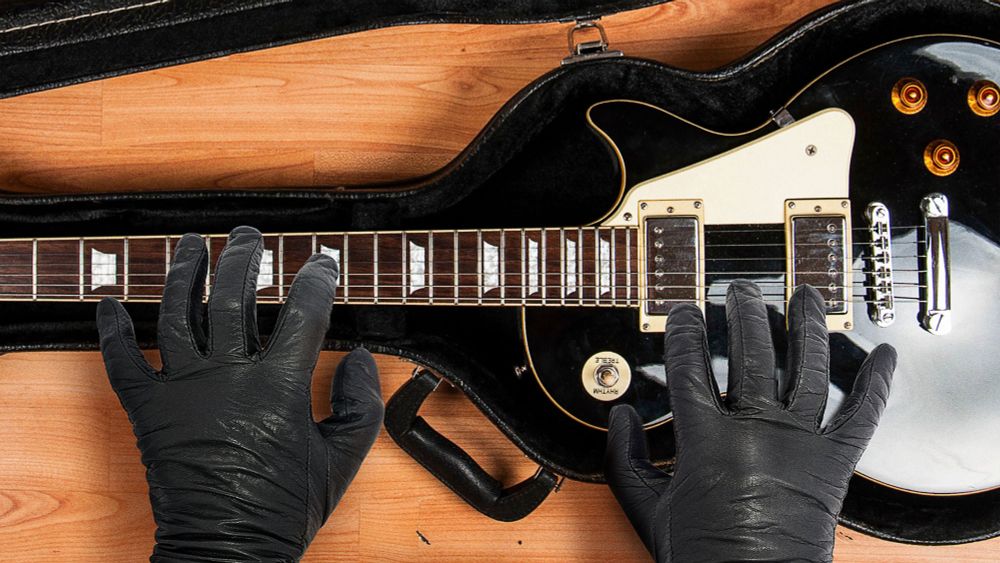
[376, 106]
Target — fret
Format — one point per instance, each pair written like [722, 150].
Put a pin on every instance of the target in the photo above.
[501, 263]
[628, 267]
[405, 267]
[210, 263]
[479, 266]
[34, 269]
[313, 237]
[455, 256]
[343, 265]
[581, 249]
[166, 249]
[524, 271]
[614, 270]
[18, 277]
[125, 269]
[544, 258]
[376, 282]
[430, 267]
[81, 269]
[563, 250]
[281, 267]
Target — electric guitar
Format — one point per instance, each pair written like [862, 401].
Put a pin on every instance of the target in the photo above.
[877, 183]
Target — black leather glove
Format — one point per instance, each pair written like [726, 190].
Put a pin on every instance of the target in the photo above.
[237, 468]
[756, 477]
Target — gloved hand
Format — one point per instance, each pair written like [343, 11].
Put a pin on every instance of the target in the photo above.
[756, 477]
[237, 468]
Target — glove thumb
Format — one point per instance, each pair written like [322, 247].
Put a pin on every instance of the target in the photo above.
[635, 481]
[356, 402]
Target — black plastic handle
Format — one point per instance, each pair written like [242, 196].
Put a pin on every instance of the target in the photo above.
[451, 465]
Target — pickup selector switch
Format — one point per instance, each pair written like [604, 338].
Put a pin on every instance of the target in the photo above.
[606, 376]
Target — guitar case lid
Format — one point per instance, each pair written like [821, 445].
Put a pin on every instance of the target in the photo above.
[50, 43]
[537, 140]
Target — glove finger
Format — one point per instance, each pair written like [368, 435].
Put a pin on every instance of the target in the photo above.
[860, 413]
[751, 353]
[636, 483]
[180, 332]
[808, 355]
[304, 319]
[127, 369]
[232, 307]
[350, 431]
[689, 374]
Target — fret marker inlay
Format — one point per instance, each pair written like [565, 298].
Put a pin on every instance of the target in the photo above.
[604, 263]
[570, 266]
[331, 252]
[532, 266]
[103, 269]
[265, 278]
[418, 267]
[491, 267]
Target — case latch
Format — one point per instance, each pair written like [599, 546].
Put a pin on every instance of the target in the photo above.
[589, 50]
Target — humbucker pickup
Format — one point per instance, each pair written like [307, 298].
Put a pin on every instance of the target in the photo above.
[671, 259]
[818, 243]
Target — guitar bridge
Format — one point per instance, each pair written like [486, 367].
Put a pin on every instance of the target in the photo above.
[818, 243]
[881, 301]
[671, 259]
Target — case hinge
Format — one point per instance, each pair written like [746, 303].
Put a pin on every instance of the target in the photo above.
[589, 50]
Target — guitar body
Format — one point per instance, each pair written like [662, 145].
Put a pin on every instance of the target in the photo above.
[541, 163]
[946, 393]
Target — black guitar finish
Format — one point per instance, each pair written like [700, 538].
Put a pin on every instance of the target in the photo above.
[944, 375]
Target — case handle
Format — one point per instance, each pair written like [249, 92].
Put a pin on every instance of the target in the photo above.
[451, 464]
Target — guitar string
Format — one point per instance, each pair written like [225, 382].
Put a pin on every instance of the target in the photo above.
[584, 245]
[586, 301]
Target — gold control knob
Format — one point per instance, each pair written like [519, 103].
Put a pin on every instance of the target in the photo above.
[909, 95]
[606, 376]
[984, 98]
[941, 157]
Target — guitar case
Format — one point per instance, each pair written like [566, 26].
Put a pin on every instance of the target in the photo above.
[536, 163]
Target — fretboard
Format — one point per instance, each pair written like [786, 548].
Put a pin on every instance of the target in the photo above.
[517, 267]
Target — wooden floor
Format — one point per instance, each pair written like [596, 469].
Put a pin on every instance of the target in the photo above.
[376, 106]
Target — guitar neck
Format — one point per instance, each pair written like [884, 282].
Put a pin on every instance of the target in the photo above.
[588, 266]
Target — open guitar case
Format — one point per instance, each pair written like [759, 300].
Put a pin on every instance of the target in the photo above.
[535, 156]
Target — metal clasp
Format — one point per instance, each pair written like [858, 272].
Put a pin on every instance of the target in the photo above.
[588, 50]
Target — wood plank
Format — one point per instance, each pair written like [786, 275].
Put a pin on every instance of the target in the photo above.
[72, 486]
